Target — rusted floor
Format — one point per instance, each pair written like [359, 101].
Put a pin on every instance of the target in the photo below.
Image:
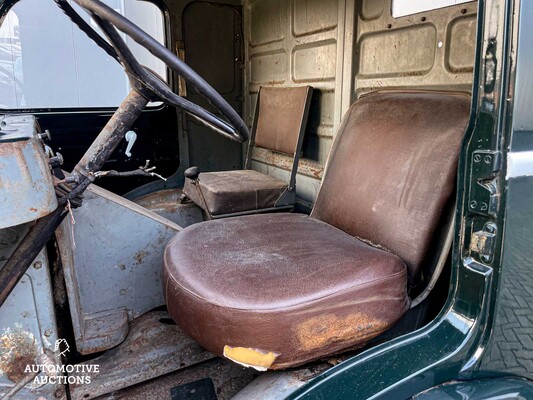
[228, 378]
[155, 346]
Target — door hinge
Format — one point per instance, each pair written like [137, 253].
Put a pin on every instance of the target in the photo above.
[484, 191]
[483, 242]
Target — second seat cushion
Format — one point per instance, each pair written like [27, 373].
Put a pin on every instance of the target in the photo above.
[229, 192]
[285, 286]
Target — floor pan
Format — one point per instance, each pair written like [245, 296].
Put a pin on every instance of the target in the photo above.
[154, 347]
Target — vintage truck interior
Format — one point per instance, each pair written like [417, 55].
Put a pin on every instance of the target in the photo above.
[301, 209]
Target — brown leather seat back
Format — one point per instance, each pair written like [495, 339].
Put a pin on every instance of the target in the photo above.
[392, 170]
[281, 118]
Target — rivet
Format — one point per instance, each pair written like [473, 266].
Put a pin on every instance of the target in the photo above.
[123, 292]
[37, 264]
[48, 333]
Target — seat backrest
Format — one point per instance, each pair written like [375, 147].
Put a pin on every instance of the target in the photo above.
[281, 117]
[392, 170]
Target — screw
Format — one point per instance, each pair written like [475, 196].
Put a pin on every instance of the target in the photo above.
[477, 158]
[490, 227]
[48, 333]
[488, 159]
[37, 264]
[484, 206]
[473, 204]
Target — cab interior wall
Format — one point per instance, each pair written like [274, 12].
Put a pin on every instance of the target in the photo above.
[344, 48]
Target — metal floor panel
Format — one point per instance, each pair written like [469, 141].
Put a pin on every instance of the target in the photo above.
[229, 379]
[152, 349]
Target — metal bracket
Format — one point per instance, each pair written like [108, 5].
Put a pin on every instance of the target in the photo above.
[483, 242]
[484, 192]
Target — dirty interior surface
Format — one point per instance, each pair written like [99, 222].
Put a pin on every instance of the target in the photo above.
[228, 378]
[342, 48]
[155, 346]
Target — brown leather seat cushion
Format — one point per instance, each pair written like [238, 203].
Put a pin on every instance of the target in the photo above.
[236, 191]
[281, 284]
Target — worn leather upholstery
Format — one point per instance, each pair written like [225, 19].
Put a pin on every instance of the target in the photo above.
[281, 117]
[279, 290]
[392, 171]
[236, 191]
[281, 283]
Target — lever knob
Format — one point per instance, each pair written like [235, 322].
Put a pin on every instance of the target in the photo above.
[192, 173]
[131, 137]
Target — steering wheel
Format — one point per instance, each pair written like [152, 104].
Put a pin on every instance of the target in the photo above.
[142, 78]
[146, 85]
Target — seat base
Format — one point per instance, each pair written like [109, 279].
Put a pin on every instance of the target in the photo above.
[273, 291]
[230, 192]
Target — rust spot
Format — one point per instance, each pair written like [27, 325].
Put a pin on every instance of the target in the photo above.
[33, 209]
[321, 331]
[306, 167]
[18, 349]
[140, 256]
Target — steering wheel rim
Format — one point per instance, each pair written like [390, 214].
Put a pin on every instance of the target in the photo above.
[111, 22]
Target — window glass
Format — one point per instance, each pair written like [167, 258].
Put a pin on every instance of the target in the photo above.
[401, 8]
[47, 62]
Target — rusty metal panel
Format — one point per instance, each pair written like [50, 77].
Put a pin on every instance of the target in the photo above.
[167, 204]
[28, 328]
[121, 266]
[154, 347]
[26, 187]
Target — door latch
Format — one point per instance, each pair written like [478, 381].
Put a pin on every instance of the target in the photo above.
[483, 242]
